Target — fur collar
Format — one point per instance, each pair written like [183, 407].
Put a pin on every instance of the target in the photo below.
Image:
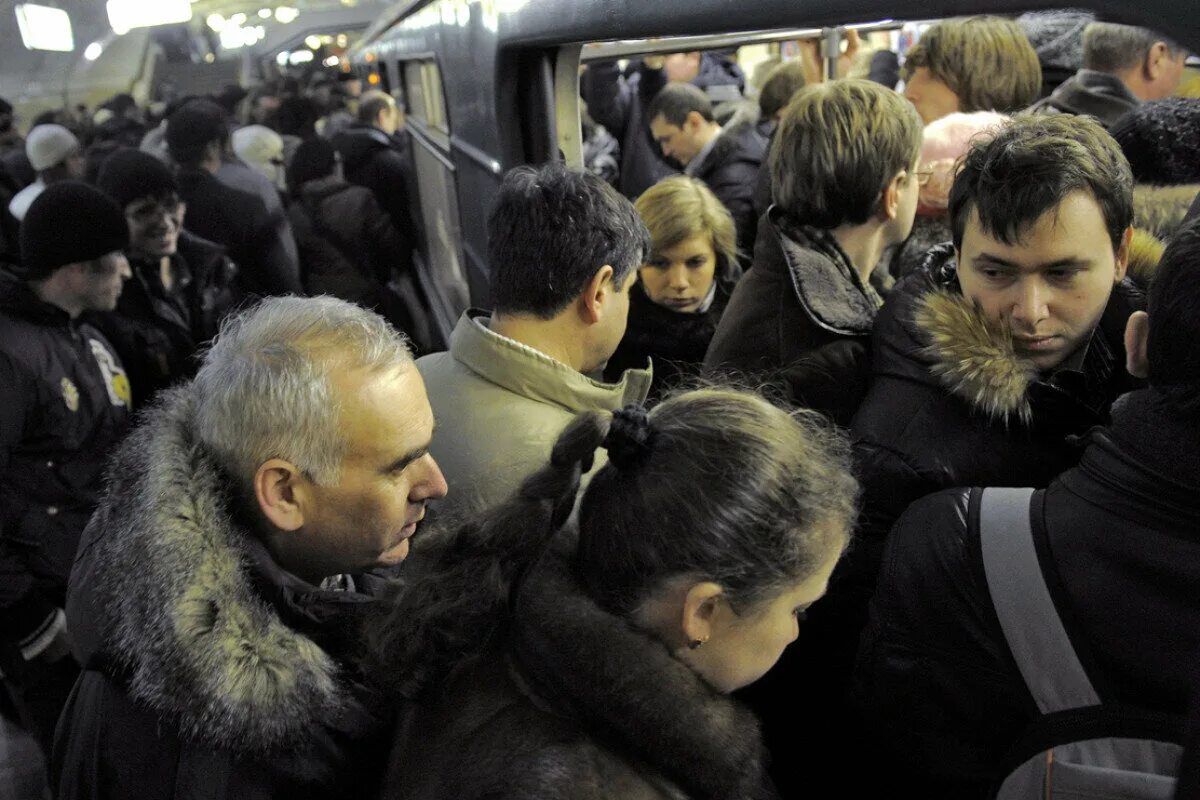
[168, 584]
[619, 681]
[1161, 209]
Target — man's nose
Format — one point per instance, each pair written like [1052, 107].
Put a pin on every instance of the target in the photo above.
[1031, 303]
[432, 484]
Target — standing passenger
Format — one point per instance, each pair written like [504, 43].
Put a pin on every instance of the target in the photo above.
[217, 592]
[843, 177]
[683, 287]
[54, 153]
[552, 663]
[564, 249]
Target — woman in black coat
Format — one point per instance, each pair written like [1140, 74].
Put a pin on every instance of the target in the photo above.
[595, 662]
[683, 287]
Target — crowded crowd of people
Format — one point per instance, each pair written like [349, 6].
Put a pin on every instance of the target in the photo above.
[814, 433]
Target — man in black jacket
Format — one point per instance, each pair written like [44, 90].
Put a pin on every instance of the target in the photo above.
[64, 404]
[182, 285]
[1118, 539]
[216, 596]
[726, 158]
[238, 221]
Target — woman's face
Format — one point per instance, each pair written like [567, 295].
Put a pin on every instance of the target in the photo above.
[741, 648]
[680, 277]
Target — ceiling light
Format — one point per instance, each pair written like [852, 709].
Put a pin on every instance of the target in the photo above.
[125, 15]
[238, 19]
[93, 51]
[45, 28]
[332, 61]
[216, 22]
[286, 14]
[300, 57]
[282, 58]
[313, 42]
[264, 13]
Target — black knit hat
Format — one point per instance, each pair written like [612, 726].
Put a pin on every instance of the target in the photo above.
[68, 223]
[313, 159]
[193, 127]
[1161, 139]
[130, 174]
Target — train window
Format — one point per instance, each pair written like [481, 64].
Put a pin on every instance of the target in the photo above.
[426, 99]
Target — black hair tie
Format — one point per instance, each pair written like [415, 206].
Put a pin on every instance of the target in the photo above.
[630, 438]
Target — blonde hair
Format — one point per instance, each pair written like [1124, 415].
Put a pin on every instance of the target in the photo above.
[677, 208]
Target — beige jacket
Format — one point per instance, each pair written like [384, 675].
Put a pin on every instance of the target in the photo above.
[500, 405]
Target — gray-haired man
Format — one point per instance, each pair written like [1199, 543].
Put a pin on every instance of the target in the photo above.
[216, 595]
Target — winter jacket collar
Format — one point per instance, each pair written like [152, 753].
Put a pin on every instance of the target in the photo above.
[181, 601]
[1165, 444]
[1098, 94]
[729, 144]
[359, 143]
[531, 374]
[828, 287]
[613, 678]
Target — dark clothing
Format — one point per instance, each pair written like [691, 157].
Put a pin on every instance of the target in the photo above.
[801, 316]
[157, 332]
[1194, 213]
[731, 170]
[928, 231]
[1095, 94]
[383, 164]
[236, 174]
[64, 405]
[239, 222]
[576, 704]
[349, 247]
[618, 102]
[968, 411]
[1118, 539]
[209, 670]
[674, 341]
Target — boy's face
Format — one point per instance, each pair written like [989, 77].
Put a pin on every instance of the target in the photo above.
[1049, 288]
[931, 96]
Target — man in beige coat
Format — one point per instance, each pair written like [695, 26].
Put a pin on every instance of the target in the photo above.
[564, 249]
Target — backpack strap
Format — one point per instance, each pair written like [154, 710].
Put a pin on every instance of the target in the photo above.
[1031, 624]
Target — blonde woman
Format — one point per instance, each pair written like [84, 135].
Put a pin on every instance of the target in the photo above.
[683, 287]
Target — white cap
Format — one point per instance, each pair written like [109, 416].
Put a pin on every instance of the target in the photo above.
[257, 145]
[49, 145]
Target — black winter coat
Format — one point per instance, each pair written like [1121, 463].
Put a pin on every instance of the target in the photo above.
[209, 672]
[157, 333]
[801, 318]
[64, 406]
[731, 170]
[384, 165]
[578, 705]
[674, 341]
[1119, 542]
[349, 247]
[239, 222]
[618, 102]
[1096, 94]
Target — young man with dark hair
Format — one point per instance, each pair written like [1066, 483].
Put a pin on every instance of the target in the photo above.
[564, 249]
[804, 313]
[999, 350]
[1122, 67]
[972, 64]
[1118, 544]
[726, 158]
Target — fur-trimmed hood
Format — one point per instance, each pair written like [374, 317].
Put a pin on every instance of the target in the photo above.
[1161, 209]
[939, 337]
[170, 594]
[624, 685]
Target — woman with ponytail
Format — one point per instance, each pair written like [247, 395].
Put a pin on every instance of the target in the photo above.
[539, 659]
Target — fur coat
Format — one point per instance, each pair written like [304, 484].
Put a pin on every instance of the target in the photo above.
[208, 670]
[578, 705]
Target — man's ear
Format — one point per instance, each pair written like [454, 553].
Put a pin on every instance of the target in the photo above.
[699, 611]
[1156, 59]
[1137, 335]
[693, 121]
[889, 201]
[595, 295]
[281, 491]
[1123, 255]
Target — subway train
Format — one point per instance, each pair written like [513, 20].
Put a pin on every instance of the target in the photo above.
[492, 84]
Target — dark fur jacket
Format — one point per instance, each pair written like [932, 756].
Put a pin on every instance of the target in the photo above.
[209, 671]
[576, 705]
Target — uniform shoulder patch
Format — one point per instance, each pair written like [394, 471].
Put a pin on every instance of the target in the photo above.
[70, 394]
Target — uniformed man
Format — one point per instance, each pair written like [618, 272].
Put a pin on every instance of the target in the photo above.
[64, 404]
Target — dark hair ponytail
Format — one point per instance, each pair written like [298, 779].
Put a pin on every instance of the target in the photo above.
[460, 600]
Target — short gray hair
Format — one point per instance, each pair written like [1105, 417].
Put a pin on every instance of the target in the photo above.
[264, 389]
[1109, 47]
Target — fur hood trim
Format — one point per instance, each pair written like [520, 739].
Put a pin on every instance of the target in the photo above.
[1161, 209]
[622, 681]
[173, 604]
[973, 357]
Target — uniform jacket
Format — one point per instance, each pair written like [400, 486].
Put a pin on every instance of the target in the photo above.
[209, 671]
[501, 405]
[731, 170]
[64, 406]
[239, 222]
[675, 341]
[1095, 94]
[618, 102]
[349, 247]
[383, 164]
[576, 704]
[1119, 543]
[158, 333]
[800, 317]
